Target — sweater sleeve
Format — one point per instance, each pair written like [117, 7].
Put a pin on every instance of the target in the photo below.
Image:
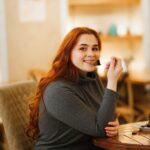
[66, 106]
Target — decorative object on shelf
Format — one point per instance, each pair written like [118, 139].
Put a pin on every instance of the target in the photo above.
[112, 30]
[122, 30]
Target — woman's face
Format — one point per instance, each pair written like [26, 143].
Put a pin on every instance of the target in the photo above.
[86, 53]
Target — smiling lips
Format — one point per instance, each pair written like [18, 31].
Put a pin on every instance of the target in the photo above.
[91, 62]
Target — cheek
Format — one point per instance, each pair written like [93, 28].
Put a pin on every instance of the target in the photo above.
[98, 54]
[76, 57]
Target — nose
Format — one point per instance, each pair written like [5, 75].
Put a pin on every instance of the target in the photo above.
[90, 53]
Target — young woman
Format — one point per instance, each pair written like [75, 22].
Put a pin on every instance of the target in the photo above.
[71, 106]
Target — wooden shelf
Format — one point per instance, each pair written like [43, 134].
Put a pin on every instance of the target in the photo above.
[119, 38]
[103, 2]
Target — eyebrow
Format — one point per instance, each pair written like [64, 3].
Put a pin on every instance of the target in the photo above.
[87, 45]
[95, 45]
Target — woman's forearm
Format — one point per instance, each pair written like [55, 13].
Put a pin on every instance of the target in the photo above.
[112, 85]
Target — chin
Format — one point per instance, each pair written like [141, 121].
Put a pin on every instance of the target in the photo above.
[90, 69]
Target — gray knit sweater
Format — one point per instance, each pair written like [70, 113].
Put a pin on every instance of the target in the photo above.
[73, 113]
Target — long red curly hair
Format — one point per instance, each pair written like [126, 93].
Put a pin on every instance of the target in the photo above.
[62, 67]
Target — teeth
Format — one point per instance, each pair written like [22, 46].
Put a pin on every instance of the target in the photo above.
[89, 62]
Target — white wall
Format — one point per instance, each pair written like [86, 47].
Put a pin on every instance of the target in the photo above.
[3, 45]
[146, 27]
[64, 17]
[32, 44]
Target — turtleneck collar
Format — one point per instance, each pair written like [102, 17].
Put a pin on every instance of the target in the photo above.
[89, 76]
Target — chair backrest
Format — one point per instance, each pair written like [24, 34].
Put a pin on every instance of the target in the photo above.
[36, 74]
[14, 111]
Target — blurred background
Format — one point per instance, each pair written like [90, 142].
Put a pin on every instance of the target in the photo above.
[31, 31]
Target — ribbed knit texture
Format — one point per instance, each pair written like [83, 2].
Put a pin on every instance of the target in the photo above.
[14, 108]
[75, 112]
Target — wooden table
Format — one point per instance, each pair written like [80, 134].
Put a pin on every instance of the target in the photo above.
[126, 140]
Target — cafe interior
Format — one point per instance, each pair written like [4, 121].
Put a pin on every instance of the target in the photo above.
[31, 32]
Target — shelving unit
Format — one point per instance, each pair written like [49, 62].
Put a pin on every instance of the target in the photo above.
[121, 38]
[102, 15]
[103, 2]
[103, 6]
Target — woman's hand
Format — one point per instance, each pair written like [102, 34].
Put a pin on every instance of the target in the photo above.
[112, 128]
[114, 70]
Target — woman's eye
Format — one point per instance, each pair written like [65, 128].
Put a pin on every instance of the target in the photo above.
[82, 48]
[95, 49]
